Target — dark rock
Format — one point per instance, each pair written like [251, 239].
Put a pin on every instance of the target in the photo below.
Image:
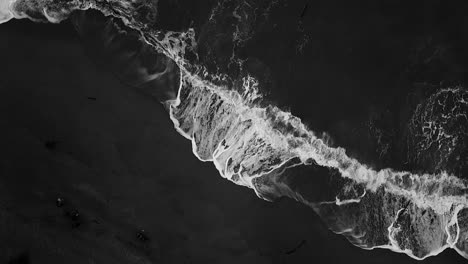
[142, 236]
[60, 202]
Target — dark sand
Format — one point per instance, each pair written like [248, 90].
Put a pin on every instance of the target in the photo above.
[119, 162]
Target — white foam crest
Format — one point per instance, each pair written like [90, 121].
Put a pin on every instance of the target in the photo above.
[313, 148]
[5, 10]
[336, 158]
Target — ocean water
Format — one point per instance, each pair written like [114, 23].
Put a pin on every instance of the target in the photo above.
[339, 99]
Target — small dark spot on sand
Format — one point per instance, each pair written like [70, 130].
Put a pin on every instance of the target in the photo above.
[74, 215]
[142, 236]
[304, 10]
[50, 144]
[59, 202]
[75, 218]
[302, 243]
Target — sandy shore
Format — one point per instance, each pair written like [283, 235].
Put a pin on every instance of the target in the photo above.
[71, 130]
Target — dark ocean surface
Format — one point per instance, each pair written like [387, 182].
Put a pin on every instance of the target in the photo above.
[71, 130]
